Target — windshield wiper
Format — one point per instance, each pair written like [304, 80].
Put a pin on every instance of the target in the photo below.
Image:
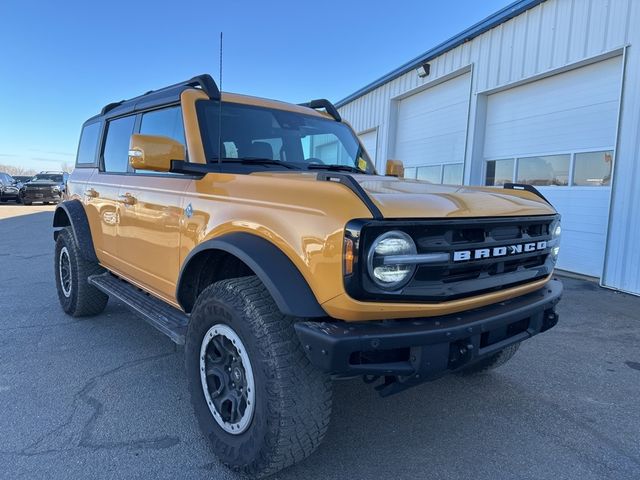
[257, 161]
[335, 168]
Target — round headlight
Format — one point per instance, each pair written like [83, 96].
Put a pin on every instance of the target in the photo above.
[388, 272]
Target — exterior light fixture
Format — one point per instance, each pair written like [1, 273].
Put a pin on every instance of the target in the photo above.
[423, 70]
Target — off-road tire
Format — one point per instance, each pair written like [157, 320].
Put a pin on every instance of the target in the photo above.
[84, 299]
[489, 363]
[292, 398]
[26, 202]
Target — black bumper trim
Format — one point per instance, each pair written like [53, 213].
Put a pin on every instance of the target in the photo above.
[433, 345]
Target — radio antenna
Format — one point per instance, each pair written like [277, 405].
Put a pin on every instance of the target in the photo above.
[220, 107]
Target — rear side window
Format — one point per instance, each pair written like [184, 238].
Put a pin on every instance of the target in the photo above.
[88, 145]
[116, 147]
[166, 123]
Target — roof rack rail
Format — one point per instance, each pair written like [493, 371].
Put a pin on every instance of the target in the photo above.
[326, 104]
[110, 106]
[528, 188]
[204, 81]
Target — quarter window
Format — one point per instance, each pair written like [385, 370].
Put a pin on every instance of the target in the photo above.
[116, 148]
[88, 144]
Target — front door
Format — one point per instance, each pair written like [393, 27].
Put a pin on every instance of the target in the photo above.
[151, 214]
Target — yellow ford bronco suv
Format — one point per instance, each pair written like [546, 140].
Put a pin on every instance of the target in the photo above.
[259, 235]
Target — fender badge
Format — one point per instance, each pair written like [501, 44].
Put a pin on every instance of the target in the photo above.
[188, 211]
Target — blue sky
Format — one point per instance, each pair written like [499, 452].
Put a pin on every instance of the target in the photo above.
[61, 61]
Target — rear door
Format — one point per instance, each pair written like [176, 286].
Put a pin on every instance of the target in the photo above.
[152, 213]
[102, 204]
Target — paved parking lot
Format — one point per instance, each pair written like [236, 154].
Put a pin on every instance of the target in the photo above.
[106, 397]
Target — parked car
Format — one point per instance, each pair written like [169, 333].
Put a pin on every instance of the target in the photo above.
[259, 234]
[9, 188]
[23, 178]
[45, 187]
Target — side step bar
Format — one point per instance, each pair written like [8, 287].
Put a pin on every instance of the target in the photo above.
[170, 321]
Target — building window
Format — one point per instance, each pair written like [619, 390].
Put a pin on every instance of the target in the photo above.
[449, 173]
[499, 172]
[593, 169]
[561, 170]
[452, 174]
[544, 171]
[431, 174]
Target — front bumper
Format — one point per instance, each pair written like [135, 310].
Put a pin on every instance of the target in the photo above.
[416, 350]
[9, 195]
[41, 197]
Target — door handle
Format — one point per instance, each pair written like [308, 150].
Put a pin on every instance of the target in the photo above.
[127, 199]
[91, 193]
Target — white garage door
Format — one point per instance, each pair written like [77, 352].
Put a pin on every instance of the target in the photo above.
[369, 141]
[431, 131]
[559, 134]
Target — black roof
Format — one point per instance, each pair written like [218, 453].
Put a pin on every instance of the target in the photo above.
[156, 98]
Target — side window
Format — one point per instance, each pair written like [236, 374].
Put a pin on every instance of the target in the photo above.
[116, 147]
[166, 122]
[88, 144]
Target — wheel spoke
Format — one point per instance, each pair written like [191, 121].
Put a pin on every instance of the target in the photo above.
[227, 378]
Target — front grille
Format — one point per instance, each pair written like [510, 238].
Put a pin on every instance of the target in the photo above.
[46, 190]
[449, 280]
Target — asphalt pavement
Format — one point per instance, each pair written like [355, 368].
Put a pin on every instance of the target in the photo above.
[106, 397]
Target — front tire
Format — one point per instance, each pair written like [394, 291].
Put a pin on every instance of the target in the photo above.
[238, 338]
[77, 296]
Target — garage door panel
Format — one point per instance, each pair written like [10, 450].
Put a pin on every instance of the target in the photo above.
[369, 141]
[553, 132]
[590, 85]
[431, 125]
[566, 113]
[576, 109]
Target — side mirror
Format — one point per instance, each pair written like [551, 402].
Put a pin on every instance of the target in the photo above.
[395, 168]
[152, 152]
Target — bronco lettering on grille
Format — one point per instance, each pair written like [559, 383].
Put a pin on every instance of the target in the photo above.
[502, 251]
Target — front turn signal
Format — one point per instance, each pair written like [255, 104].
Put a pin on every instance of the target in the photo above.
[348, 256]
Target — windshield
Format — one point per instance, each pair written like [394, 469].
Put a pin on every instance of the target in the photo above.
[287, 139]
[46, 177]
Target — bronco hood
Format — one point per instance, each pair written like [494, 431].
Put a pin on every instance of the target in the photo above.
[401, 198]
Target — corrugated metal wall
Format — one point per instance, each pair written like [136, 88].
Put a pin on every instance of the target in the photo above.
[551, 36]
[622, 262]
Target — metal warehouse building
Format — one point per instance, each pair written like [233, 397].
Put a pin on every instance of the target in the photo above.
[542, 92]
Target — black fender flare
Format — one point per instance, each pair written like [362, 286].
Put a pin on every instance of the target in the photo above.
[71, 213]
[280, 276]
